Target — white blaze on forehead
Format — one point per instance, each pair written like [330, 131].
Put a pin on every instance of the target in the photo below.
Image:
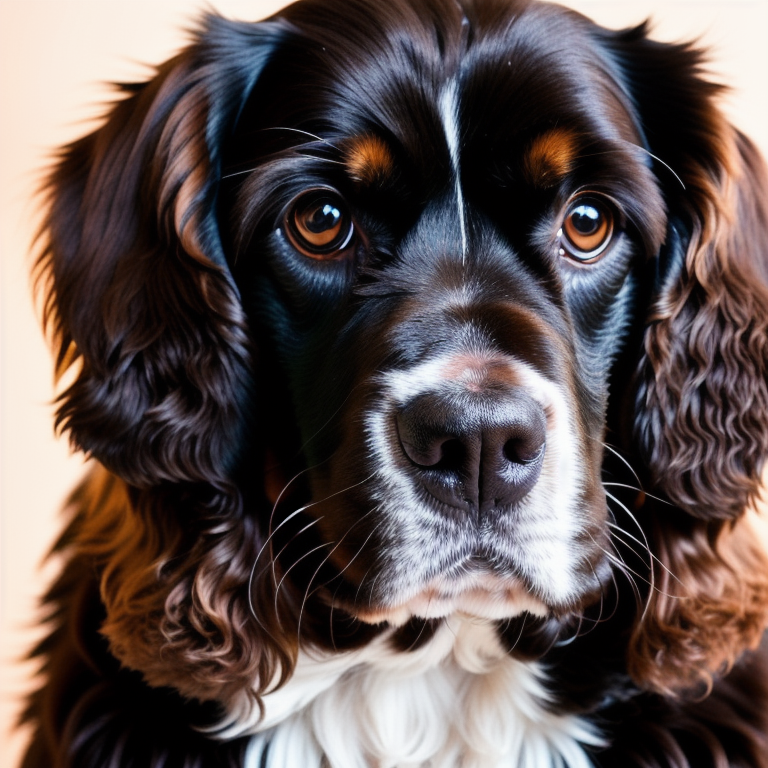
[449, 111]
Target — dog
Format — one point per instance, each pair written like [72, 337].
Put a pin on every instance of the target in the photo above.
[421, 351]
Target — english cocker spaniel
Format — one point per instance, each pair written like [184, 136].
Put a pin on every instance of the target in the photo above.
[422, 350]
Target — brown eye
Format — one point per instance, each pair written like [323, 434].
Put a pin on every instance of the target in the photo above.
[587, 229]
[319, 224]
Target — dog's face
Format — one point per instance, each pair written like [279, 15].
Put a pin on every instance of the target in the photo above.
[358, 298]
[440, 234]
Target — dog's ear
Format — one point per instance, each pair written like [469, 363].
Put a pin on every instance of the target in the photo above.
[138, 296]
[707, 602]
[701, 407]
[147, 318]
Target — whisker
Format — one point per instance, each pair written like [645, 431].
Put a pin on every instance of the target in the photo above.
[644, 543]
[624, 507]
[371, 590]
[616, 592]
[310, 504]
[627, 571]
[639, 490]
[251, 169]
[273, 558]
[651, 571]
[615, 527]
[659, 160]
[323, 159]
[600, 619]
[313, 136]
[642, 149]
[367, 573]
[304, 133]
[271, 564]
[277, 504]
[308, 590]
[520, 634]
[239, 173]
[251, 578]
[418, 637]
[362, 546]
[293, 565]
[621, 458]
[618, 561]
[287, 544]
[563, 642]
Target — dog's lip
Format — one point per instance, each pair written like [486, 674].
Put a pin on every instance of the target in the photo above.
[481, 596]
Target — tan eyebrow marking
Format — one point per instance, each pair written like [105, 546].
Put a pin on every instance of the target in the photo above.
[550, 157]
[369, 160]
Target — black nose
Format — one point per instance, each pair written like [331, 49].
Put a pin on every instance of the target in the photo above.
[474, 451]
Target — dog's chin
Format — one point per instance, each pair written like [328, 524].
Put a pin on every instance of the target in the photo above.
[479, 597]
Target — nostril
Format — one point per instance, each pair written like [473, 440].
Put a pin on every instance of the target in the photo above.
[422, 455]
[428, 436]
[426, 446]
[520, 437]
[453, 455]
[521, 451]
[436, 453]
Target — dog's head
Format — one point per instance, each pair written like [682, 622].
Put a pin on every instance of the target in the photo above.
[364, 297]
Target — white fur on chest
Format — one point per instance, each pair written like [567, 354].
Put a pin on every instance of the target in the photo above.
[457, 702]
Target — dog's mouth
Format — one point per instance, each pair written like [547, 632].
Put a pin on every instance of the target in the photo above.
[480, 596]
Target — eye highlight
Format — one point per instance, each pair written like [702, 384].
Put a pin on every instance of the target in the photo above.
[319, 224]
[587, 229]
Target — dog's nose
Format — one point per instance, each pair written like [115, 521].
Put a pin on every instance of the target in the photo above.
[474, 451]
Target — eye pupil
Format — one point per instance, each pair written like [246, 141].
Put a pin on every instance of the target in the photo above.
[586, 219]
[323, 218]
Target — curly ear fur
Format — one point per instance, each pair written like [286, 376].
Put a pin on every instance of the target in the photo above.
[708, 603]
[701, 404]
[139, 297]
[176, 598]
[143, 309]
[702, 394]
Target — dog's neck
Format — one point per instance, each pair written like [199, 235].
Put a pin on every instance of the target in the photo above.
[459, 700]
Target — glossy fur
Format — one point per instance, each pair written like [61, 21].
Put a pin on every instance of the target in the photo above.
[444, 464]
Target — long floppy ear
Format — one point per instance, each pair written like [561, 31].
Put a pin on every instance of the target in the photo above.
[139, 297]
[708, 602]
[702, 395]
[701, 406]
[145, 313]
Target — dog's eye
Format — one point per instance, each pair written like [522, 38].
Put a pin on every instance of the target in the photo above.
[319, 224]
[587, 229]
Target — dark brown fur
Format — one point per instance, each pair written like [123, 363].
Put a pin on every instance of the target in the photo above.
[181, 397]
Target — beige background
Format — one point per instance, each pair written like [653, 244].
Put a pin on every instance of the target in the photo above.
[54, 55]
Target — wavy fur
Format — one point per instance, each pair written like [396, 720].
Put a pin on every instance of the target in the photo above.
[256, 531]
